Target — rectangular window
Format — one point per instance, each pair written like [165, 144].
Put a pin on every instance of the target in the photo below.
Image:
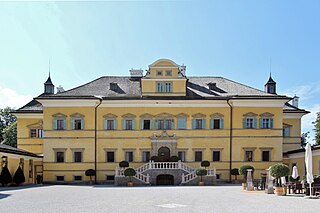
[265, 155]
[286, 131]
[198, 123]
[60, 124]
[146, 124]
[198, 156]
[128, 125]
[59, 157]
[216, 156]
[110, 157]
[182, 155]
[77, 124]
[77, 178]
[33, 133]
[77, 157]
[128, 156]
[249, 123]
[216, 123]
[164, 87]
[110, 125]
[164, 124]
[168, 72]
[248, 156]
[146, 156]
[266, 124]
[159, 72]
[182, 123]
[60, 178]
[110, 179]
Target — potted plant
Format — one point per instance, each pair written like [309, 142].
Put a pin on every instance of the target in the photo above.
[235, 172]
[205, 164]
[174, 159]
[18, 176]
[130, 172]
[201, 172]
[5, 176]
[155, 158]
[90, 173]
[243, 171]
[277, 171]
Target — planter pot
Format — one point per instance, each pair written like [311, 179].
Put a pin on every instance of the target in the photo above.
[130, 184]
[279, 191]
[244, 186]
[201, 183]
[284, 191]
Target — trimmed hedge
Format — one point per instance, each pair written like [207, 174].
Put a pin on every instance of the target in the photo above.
[5, 176]
[205, 164]
[124, 164]
[18, 176]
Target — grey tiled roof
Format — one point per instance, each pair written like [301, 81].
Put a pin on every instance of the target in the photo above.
[33, 106]
[12, 150]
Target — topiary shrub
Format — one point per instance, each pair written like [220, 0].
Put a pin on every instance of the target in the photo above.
[90, 173]
[18, 176]
[316, 179]
[243, 170]
[155, 158]
[235, 172]
[5, 176]
[124, 164]
[201, 172]
[205, 164]
[279, 170]
[174, 159]
[129, 172]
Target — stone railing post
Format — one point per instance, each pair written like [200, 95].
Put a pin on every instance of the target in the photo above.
[182, 178]
[179, 164]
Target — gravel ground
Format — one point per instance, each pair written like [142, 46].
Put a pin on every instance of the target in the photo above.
[66, 198]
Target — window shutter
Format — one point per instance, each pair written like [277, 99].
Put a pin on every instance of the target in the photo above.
[203, 123]
[254, 122]
[151, 123]
[64, 124]
[82, 123]
[261, 123]
[54, 124]
[71, 123]
[123, 124]
[141, 123]
[172, 124]
[211, 123]
[105, 123]
[157, 124]
[115, 124]
[181, 123]
[133, 124]
[244, 123]
[271, 123]
[221, 123]
[194, 123]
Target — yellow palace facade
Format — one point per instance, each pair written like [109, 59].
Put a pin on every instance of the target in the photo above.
[161, 112]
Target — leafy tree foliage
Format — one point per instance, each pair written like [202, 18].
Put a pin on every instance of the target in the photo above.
[18, 177]
[317, 128]
[129, 172]
[124, 164]
[279, 170]
[235, 172]
[243, 170]
[304, 139]
[205, 163]
[201, 172]
[90, 173]
[8, 127]
[5, 176]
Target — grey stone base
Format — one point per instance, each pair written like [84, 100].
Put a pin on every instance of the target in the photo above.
[208, 181]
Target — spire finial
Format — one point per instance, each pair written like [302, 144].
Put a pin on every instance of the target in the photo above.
[49, 67]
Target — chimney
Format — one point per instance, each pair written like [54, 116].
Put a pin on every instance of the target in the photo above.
[136, 73]
[182, 69]
[295, 101]
[60, 89]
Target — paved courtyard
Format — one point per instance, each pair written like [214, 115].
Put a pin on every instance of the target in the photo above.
[59, 198]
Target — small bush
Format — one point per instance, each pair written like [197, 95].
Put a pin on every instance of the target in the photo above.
[5, 176]
[234, 171]
[279, 170]
[205, 164]
[155, 158]
[174, 159]
[90, 173]
[18, 176]
[201, 172]
[124, 164]
[129, 172]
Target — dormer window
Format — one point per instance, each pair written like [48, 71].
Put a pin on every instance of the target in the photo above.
[159, 72]
[212, 86]
[113, 86]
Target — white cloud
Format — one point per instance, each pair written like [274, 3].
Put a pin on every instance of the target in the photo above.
[11, 98]
[305, 92]
[307, 120]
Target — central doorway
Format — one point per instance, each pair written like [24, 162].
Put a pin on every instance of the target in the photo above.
[164, 154]
[165, 180]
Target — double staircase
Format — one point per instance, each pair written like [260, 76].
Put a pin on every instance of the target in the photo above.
[191, 172]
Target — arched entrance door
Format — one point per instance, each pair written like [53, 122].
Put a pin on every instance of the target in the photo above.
[164, 154]
[165, 180]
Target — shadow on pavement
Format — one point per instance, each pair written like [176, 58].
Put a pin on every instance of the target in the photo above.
[3, 196]
[13, 188]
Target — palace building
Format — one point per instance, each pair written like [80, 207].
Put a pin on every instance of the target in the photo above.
[162, 112]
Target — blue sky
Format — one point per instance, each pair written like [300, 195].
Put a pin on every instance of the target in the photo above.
[233, 39]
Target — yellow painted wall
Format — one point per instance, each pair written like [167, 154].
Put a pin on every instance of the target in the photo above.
[292, 142]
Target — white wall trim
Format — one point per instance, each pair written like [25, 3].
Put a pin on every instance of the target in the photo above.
[29, 115]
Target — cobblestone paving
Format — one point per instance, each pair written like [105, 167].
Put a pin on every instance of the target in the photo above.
[59, 198]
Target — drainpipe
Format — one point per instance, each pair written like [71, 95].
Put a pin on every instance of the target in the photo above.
[230, 138]
[95, 137]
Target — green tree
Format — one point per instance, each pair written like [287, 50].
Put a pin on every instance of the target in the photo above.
[304, 139]
[6, 119]
[10, 135]
[317, 128]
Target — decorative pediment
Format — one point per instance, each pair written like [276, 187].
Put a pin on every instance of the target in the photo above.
[38, 125]
[164, 115]
[250, 114]
[217, 115]
[163, 136]
[59, 115]
[146, 115]
[76, 115]
[182, 115]
[286, 125]
[128, 115]
[266, 115]
[110, 115]
[198, 115]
